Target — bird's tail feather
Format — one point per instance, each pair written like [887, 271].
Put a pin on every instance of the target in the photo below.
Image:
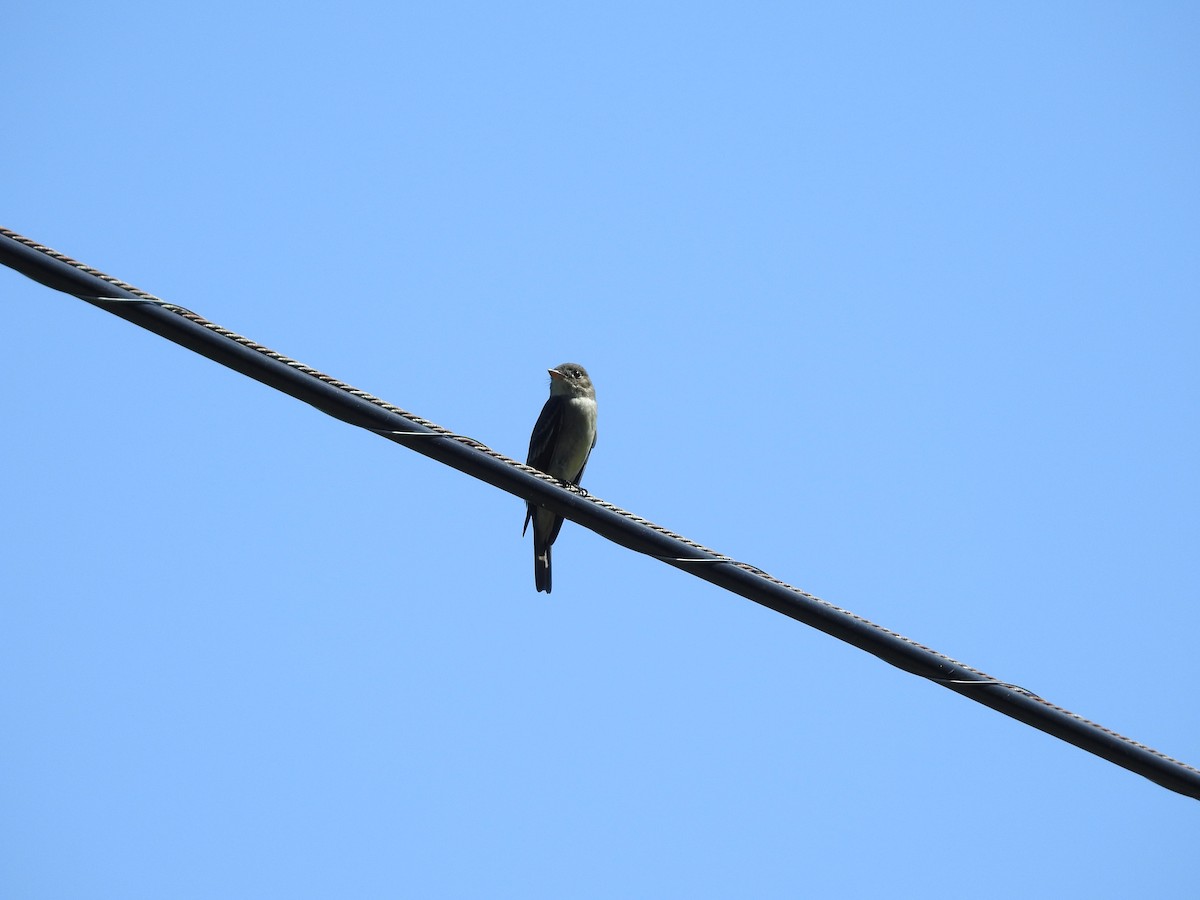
[541, 564]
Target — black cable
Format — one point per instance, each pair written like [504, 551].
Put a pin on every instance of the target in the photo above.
[349, 404]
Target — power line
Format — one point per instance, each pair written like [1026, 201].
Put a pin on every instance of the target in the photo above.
[340, 400]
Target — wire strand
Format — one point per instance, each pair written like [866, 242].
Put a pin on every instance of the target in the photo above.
[357, 407]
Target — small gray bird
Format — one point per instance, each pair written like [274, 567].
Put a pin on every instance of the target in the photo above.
[563, 437]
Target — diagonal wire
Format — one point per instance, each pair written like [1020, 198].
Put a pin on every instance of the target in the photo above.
[357, 407]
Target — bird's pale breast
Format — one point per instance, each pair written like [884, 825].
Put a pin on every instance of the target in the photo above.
[576, 437]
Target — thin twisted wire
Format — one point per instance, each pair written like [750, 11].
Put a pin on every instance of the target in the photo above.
[984, 679]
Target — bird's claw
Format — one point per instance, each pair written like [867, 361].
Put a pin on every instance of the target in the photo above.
[574, 488]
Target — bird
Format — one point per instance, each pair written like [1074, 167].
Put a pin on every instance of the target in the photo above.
[561, 442]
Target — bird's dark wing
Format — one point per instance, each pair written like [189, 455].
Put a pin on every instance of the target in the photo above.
[541, 443]
[545, 434]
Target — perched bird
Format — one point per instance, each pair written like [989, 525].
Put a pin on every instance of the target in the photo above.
[563, 437]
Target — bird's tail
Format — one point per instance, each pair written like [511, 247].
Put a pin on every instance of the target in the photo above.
[541, 563]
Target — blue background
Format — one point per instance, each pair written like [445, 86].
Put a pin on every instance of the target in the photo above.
[898, 302]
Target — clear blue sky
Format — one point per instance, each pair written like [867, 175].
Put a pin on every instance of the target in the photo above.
[896, 301]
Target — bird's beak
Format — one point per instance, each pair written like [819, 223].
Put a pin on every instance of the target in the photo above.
[554, 373]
